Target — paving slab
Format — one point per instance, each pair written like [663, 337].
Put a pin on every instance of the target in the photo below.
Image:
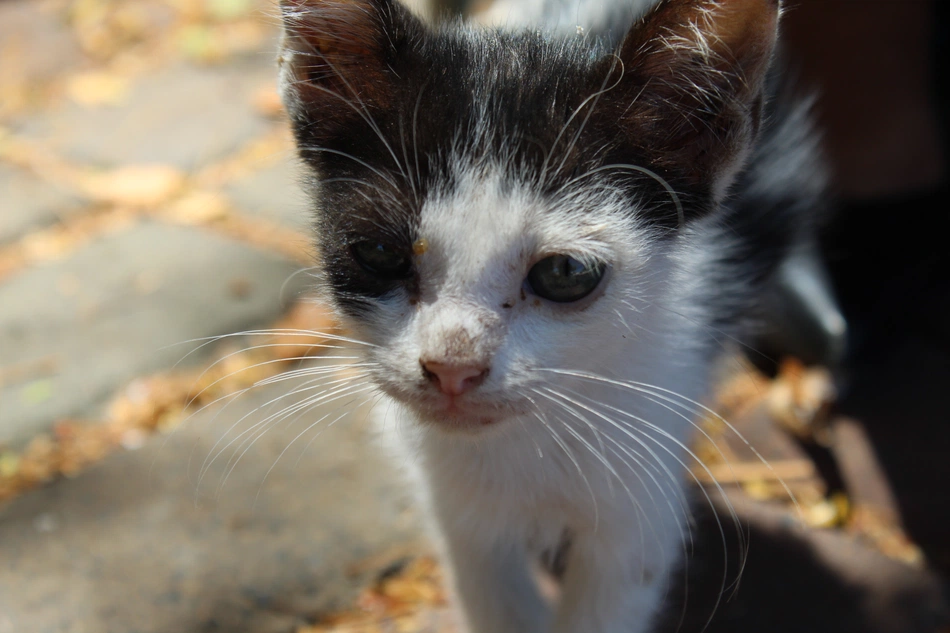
[183, 115]
[135, 546]
[27, 203]
[74, 331]
[273, 192]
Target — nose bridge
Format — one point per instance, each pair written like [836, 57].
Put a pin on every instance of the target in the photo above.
[460, 333]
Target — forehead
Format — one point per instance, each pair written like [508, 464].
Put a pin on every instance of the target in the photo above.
[509, 97]
[479, 227]
[489, 222]
[522, 82]
[521, 104]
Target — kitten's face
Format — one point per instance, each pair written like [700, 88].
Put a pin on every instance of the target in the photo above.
[494, 206]
[510, 284]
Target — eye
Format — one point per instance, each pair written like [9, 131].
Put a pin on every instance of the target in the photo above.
[382, 260]
[563, 279]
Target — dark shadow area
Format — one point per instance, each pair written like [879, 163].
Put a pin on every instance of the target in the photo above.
[895, 288]
[882, 72]
[797, 580]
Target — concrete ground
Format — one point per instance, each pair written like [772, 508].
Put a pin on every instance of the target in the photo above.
[148, 198]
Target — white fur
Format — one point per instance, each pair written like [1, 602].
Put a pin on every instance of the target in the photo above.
[612, 475]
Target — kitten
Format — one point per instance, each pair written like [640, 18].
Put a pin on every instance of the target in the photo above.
[542, 237]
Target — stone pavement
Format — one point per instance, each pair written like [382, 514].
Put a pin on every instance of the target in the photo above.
[124, 177]
[141, 543]
[148, 199]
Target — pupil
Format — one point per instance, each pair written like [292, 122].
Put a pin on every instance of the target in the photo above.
[568, 267]
[574, 267]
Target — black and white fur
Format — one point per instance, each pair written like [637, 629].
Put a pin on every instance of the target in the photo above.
[477, 152]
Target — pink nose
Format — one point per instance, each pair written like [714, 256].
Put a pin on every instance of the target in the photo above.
[454, 380]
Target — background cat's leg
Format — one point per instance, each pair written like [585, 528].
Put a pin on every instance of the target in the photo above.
[493, 586]
[615, 587]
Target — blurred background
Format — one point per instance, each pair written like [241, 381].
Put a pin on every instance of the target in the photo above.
[149, 477]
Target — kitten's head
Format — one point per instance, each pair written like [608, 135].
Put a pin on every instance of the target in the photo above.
[494, 205]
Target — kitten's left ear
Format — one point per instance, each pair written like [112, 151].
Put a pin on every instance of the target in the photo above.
[692, 87]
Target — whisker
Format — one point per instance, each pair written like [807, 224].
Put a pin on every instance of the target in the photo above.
[415, 129]
[329, 388]
[743, 539]
[359, 107]
[313, 271]
[593, 97]
[629, 429]
[236, 394]
[659, 468]
[302, 406]
[258, 365]
[348, 407]
[675, 197]
[695, 408]
[208, 340]
[643, 389]
[636, 504]
[207, 464]
[590, 111]
[643, 464]
[570, 455]
[313, 371]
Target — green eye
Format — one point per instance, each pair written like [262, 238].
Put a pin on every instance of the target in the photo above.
[382, 260]
[563, 279]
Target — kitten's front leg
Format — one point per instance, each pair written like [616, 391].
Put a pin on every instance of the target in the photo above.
[493, 586]
[608, 588]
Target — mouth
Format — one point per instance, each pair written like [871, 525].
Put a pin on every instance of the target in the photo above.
[467, 412]
[457, 412]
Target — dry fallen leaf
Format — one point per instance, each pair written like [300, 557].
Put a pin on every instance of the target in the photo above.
[888, 538]
[97, 88]
[135, 185]
[801, 396]
[410, 600]
[199, 207]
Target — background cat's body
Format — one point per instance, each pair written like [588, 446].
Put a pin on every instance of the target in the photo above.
[450, 165]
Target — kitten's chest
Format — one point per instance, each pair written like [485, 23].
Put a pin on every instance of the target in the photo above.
[530, 483]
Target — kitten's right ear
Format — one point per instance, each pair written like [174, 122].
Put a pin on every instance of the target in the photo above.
[336, 57]
[693, 81]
